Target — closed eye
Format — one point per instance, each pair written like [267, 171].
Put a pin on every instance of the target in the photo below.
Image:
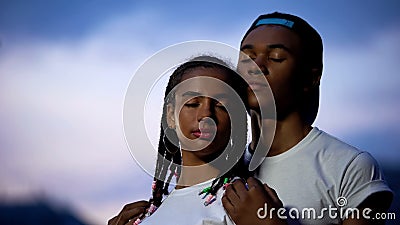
[279, 60]
[220, 105]
[191, 105]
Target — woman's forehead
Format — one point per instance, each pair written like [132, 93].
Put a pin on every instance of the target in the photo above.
[203, 85]
[206, 81]
[209, 73]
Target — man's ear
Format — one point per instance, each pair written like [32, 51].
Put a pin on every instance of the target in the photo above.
[313, 80]
[171, 116]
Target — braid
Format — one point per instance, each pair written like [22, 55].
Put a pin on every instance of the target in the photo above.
[163, 164]
[157, 182]
[171, 162]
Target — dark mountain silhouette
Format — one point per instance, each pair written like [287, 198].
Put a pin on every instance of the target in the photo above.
[37, 212]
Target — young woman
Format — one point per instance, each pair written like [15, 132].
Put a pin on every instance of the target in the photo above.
[202, 139]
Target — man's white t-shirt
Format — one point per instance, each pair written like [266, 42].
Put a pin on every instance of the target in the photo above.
[186, 207]
[319, 174]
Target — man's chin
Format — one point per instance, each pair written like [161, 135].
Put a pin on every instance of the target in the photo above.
[267, 108]
[253, 102]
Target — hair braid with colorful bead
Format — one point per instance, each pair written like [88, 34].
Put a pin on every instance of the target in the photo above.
[166, 162]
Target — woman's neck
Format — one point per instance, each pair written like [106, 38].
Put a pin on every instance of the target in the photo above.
[195, 171]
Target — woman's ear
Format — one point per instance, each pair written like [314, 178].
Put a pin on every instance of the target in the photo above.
[171, 116]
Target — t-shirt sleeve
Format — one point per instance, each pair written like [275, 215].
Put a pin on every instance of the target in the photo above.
[362, 178]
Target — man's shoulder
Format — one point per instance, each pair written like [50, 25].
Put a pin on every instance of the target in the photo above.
[328, 141]
[329, 147]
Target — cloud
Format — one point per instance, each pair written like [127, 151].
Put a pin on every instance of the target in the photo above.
[62, 100]
[359, 88]
[61, 121]
[359, 95]
[61, 114]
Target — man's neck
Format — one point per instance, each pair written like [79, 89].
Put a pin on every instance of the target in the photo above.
[288, 132]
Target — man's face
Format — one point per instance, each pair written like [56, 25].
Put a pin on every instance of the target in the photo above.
[276, 52]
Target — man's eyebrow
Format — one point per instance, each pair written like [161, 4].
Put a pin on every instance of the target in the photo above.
[271, 46]
[281, 46]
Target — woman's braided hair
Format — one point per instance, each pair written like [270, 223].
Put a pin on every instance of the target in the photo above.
[166, 164]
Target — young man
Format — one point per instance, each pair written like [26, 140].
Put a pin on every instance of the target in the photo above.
[316, 177]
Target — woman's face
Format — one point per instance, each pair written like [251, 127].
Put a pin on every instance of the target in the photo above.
[200, 114]
[275, 51]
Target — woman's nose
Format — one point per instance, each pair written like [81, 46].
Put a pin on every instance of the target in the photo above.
[205, 110]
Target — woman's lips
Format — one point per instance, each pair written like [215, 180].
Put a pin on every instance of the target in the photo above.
[204, 133]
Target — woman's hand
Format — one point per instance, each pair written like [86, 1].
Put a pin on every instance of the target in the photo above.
[130, 212]
[247, 204]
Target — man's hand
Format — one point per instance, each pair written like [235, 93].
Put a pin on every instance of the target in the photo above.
[129, 213]
[243, 203]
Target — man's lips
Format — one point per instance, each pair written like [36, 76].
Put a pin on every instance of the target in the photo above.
[204, 133]
[254, 85]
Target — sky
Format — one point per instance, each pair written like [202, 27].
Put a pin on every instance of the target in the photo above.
[65, 67]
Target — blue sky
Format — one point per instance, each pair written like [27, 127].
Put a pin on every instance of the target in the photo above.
[65, 67]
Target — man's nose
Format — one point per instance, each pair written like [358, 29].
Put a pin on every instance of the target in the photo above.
[259, 66]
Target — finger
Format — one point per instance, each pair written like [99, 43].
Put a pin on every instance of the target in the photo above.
[229, 207]
[129, 211]
[112, 221]
[130, 222]
[240, 188]
[273, 195]
[132, 214]
[254, 183]
[231, 194]
[135, 209]
[135, 205]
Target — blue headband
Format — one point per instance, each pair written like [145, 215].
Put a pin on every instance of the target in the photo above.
[275, 21]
